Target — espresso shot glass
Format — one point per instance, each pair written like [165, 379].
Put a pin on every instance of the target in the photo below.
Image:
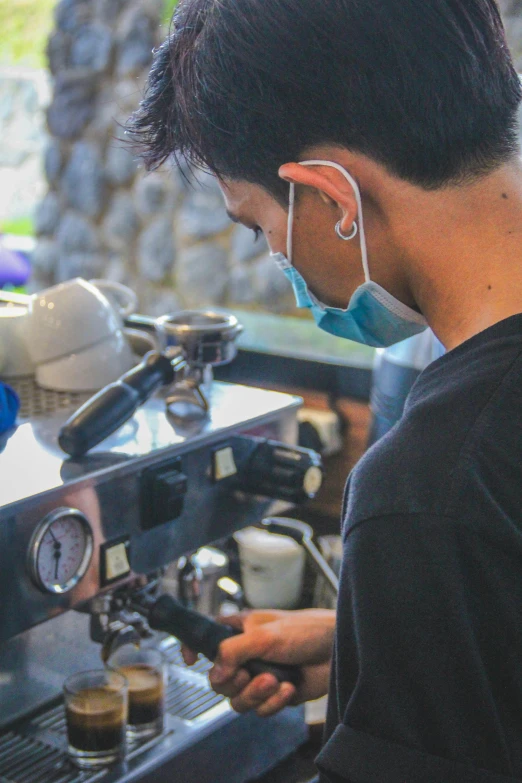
[96, 705]
[145, 671]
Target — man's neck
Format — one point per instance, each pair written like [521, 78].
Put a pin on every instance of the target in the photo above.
[463, 251]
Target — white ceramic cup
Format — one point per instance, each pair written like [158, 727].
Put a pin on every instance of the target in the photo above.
[90, 369]
[14, 356]
[272, 569]
[121, 297]
[68, 318]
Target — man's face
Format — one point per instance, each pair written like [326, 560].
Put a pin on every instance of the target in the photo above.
[332, 268]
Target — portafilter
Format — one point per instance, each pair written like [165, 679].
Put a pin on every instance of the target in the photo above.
[193, 341]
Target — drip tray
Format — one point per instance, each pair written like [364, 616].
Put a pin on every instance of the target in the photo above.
[200, 742]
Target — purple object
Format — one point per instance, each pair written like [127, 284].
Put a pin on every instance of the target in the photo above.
[15, 268]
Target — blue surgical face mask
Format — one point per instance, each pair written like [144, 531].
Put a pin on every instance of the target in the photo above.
[373, 315]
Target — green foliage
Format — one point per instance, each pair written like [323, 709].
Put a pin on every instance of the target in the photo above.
[170, 5]
[24, 28]
[22, 226]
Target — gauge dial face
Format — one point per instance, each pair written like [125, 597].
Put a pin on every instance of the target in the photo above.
[61, 550]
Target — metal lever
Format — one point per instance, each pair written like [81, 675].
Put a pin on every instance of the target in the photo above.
[302, 533]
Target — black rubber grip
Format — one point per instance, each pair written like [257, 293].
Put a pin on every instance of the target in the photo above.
[203, 635]
[98, 418]
[104, 413]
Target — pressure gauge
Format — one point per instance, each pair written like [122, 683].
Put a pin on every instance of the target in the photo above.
[60, 550]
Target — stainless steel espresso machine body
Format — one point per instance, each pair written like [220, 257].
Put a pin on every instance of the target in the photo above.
[75, 530]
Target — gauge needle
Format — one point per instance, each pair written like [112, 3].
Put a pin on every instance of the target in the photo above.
[57, 555]
[52, 535]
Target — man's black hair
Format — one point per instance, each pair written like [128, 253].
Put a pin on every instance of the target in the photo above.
[425, 87]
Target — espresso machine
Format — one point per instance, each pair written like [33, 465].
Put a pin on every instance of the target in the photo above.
[85, 541]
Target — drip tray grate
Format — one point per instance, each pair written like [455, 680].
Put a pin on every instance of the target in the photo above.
[53, 720]
[26, 760]
[35, 401]
[189, 700]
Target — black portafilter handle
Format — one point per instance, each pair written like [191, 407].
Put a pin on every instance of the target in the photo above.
[111, 407]
[204, 635]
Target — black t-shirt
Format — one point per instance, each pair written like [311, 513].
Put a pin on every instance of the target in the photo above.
[427, 676]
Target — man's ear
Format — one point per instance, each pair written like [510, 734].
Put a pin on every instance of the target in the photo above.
[330, 184]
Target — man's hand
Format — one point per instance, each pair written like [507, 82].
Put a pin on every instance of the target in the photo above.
[303, 637]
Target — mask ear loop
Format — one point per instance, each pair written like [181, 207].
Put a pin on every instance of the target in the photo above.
[357, 193]
[290, 223]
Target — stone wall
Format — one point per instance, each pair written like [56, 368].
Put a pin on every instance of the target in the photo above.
[166, 234]
[24, 94]
[100, 218]
[512, 15]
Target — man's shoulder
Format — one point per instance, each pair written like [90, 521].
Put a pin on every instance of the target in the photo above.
[458, 412]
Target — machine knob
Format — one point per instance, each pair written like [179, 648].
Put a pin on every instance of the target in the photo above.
[284, 472]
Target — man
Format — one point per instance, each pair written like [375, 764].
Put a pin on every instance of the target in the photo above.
[374, 144]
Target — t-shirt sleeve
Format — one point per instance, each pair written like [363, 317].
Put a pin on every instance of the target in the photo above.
[418, 669]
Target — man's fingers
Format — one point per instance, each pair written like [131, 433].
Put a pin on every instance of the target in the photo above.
[232, 687]
[235, 620]
[189, 656]
[251, 619]
[236, 650]
[256, 692]
[278, 701]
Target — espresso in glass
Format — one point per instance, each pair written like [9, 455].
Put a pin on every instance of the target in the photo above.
[144, 670]
[96, 715]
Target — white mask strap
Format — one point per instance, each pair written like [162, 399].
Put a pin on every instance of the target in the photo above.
[290, 224]
[357, 193]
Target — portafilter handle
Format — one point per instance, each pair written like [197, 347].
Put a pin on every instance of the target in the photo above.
[204, 635]
[111, 407]
[302, 533]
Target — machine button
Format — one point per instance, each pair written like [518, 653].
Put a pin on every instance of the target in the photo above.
[163, 491]
[114, 560]
[224, 463]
